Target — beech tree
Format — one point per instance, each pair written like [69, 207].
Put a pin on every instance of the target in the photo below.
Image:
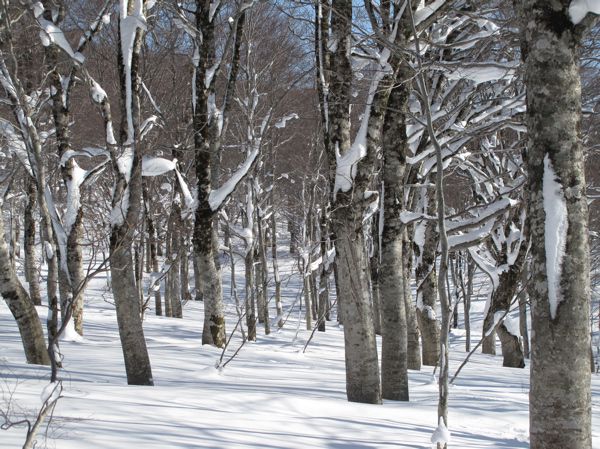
[560, 288]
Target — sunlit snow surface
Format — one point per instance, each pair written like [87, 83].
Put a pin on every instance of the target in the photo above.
[271, 396]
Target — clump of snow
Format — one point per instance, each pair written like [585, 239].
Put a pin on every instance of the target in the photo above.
[128, 26]
[441, 435]
[512, 326]
[119, 211]
[498, 315]
[98, 94]
[125, 163]
[38, 9]
[555, 232]
[482, 73]
[281, 123]
[51, 34]
[218, 196]
[578, 9]
[156, 166]
[50, 392]
[48, 250]
[69, 333]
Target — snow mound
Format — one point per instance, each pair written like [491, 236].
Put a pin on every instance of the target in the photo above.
[441, 434]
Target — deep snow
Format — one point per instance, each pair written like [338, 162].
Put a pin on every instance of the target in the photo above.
[270, 396]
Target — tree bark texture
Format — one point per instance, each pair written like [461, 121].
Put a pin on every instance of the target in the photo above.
[205, 137]
[427, 292]
[135, 352]
[394, 357]
[362, 367]
[559, 399]
[22, 308]
[31, 270]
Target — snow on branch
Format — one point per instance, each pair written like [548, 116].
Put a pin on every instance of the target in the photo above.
[481, 72]
[87, 152]
[128, 26]
[52, 34]
[425, 12]
[15, 144]
[156, 166]
[480, 214]
[217, 197]
[346, 164]
[283, 121]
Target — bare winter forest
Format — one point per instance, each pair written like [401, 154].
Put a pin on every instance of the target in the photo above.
[313, 223]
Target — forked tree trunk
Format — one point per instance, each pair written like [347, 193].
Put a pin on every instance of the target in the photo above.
[500, 303]
[72, 279]
[559, 398]
[362, 367]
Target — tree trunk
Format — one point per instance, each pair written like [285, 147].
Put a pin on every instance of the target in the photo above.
[307, 292]
[362, 367]
[559, 398]
[31, 270]
[22, 308]
[394, 374]
[184, 261]
[523, 299]
[125, 216]
[152, 250]
[205, 142]
[174, 276]
[276, 275]
[249, 296]
[500, 303]
[427, 293]
[374, 267]
[413, 334]
[263, 279]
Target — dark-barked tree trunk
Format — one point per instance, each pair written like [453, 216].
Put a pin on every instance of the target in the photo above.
[559, 291]
[31, 270]
[394, 356]
[208, 123]
[427, 288]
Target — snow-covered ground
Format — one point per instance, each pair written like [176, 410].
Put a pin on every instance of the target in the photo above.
[270, 396]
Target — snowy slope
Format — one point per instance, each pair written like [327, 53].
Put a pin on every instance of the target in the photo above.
[270, 396]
